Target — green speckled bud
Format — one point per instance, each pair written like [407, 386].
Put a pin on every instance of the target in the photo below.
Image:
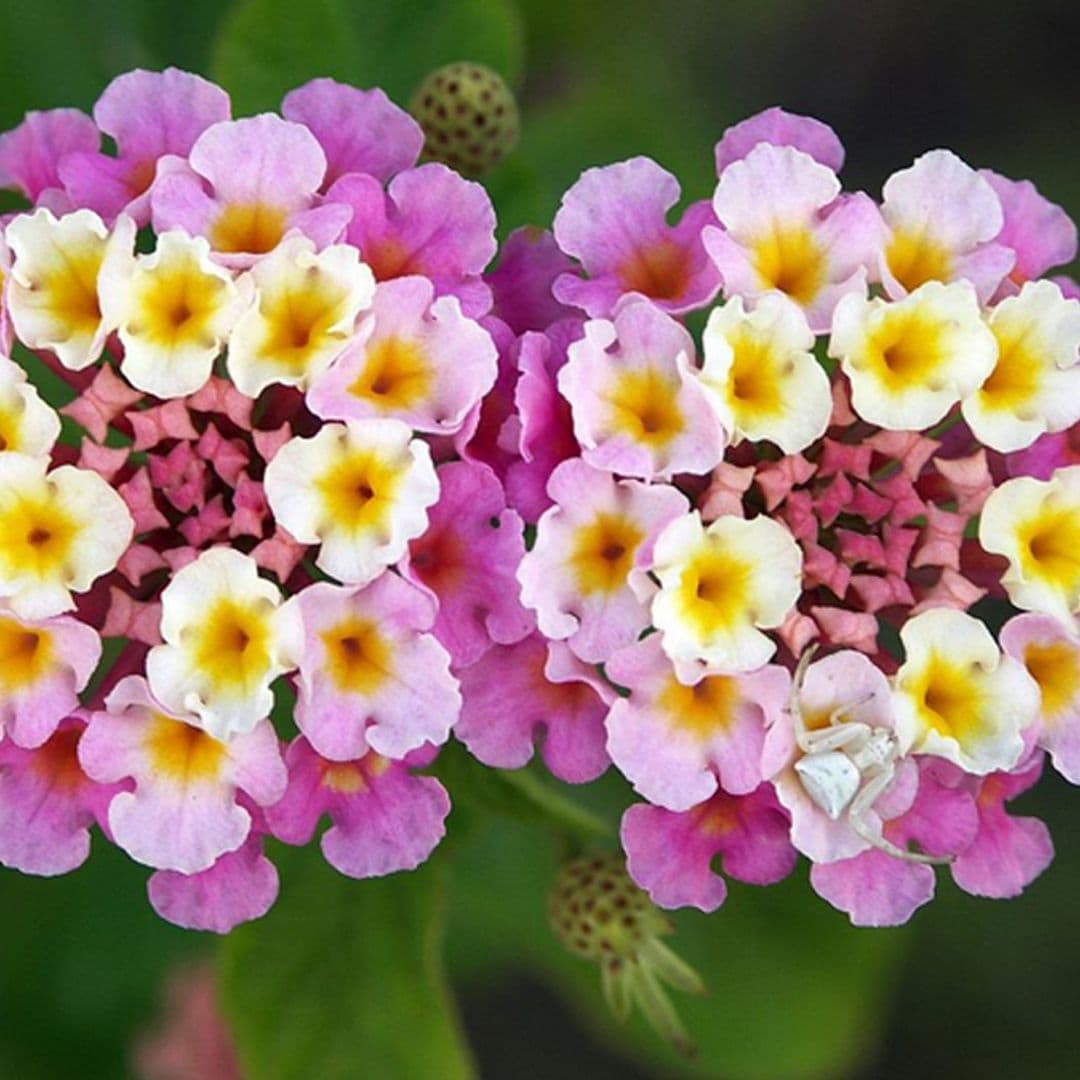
[469, 117]
[597, 912]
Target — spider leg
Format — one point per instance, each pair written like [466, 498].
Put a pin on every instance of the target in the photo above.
[867, 795]
[831, 738]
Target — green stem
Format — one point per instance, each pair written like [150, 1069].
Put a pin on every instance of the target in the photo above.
[556, 806]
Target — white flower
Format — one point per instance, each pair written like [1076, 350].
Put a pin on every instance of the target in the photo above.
[1035, 524]
[958, 697]
[59, 532]
[763, 377]
[719, 585]
[27, 424]
[53, 288]
[360, 489]
[1035, 385]
[173, 310]
[222, 644]
[304, 314]
[911, 361]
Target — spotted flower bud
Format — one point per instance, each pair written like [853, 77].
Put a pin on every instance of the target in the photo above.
[597, 912]
[469, 117]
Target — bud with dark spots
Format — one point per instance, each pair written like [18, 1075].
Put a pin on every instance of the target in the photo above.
[469, 116]
[597, 912]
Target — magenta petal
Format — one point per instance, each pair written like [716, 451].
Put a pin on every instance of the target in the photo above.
[670, 858]
[468, 558]
[153, 113]
[360, 131]
[430, 221]
[546, 435]
[513, 691]
[384, 818]
[47, 804]
[30, 154]
[393, 825]
[670, 855]
[874, 889]
[780, 128]
[1009, 852]
[1040, 233]
[614, 221]
[242, 885]
[529, 262]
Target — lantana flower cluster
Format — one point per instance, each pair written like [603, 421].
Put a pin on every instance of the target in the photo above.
[334, 484]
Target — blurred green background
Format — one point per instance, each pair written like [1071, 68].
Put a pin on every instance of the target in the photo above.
[350, 979]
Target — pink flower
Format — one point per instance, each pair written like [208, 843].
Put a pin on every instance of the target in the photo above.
[1051, 654]
[30, 154]
[778, 127]
[241, 885]
[148, 114]
[1039, 233]
[183, 812]
[429, 221]
[529, 262]
[637, 405]
[943, 218]
[586, 575]
[44, 665]
[467, 559]
[415, 358]
[513, 693]
[263, 174]
[614, 221]
[371, 676]
[48, 803]
[360, 131]
[384, 818]
[1008, 852]
[679, 744]
[786, 227]
[545, 433]
[671, 855]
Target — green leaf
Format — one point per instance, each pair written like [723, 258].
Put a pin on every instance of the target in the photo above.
[84, 957]
[792, 990]
[343, 979]
[266, 47]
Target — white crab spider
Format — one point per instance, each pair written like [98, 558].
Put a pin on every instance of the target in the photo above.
[845, 767]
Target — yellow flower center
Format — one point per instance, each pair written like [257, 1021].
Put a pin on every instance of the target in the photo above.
[791, 260]
[183, 752]
[396, 374]
[299, 319]
[36, 537]
[906, 350]
[359, 491]
[602, 554]
[25, 655]
[1050, 548]
[1056, 668]
[1015, 379]
[358, 658]
[232, 646]
[645, 406]
[949, 699]
[755, 381]
[714, 590]
[704, 710]
[176, 302]
[251, 228]
[914, 260]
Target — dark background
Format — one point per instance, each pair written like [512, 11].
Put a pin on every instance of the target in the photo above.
[971, 988]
